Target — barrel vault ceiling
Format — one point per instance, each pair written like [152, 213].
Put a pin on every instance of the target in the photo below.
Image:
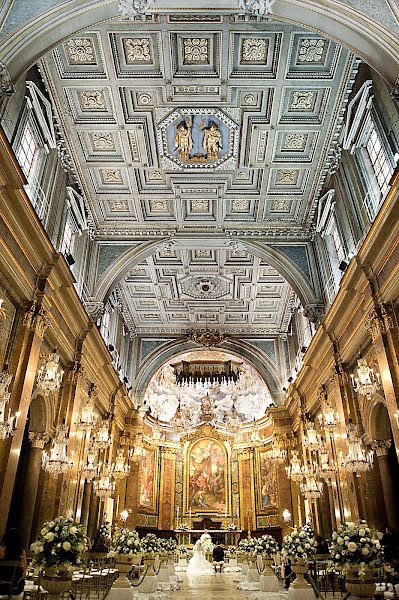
[277, 95]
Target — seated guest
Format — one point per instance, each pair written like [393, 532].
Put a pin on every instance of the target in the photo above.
[218, 557]
[12, 564]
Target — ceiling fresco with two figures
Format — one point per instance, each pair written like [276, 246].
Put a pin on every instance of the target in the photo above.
[201, 125]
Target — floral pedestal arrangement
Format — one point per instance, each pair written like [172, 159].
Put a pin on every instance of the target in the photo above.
[126, 549]
[124, 564]
[356, 551]
[300, 547]
[268, 579]
[360, 588]
[57, 552]
[55, 582]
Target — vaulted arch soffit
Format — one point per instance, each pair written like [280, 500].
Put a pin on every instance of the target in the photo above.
[362, 33]
[132, 257]
[241, 349]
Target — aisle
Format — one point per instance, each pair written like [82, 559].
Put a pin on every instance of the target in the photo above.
[210, 587]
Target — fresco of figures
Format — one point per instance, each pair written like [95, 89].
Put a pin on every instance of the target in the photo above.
[268, 492]
[147, 480]
[207, 476]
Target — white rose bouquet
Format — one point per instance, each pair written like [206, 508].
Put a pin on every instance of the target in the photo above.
[167, 545]
[299, 545]
[125, 541]
[266, 544]
[248, 546]
[183, 527]
[232, 526]
[355, 544]
[150, 544]
[61, 544]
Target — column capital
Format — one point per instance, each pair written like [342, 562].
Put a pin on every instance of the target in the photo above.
[381, 447]
[37, 320]
[379, 321]
[38, 439]
[74, 372]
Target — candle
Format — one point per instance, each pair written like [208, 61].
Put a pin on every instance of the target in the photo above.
[190, 512]
[177, 511]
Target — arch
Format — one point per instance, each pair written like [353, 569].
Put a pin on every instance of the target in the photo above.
[376, 421]
[240, 348]
[283, 265]
[361, 33]
[41, 414]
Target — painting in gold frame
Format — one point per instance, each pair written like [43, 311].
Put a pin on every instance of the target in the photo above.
[207, 477]
[148, 479]
[267, 490]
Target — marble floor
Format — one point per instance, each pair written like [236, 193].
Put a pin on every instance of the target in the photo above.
[210, 587]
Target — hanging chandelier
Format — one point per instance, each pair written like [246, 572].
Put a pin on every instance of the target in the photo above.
[311, 439]
[136, 452]
[327, 468]
[358, 460]
[89, 470]
[8, 422]
[365, 380]
[311, 487]
[120, 468]
[104, 485]
[102, 437]
[87, 417]
[278, 453]
[329, 418]
[49, 376]
[294, 469]
[56, 462]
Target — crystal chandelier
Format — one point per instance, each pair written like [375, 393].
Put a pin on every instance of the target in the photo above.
[89, 470]
[102, 436]
[327, 468]
[294, 469]
[358, 460]
[56, 461]
[312, 487]
[259, 8]
[7, 425]
[104, 485]
[278, 453]
[329, 418]
[138, 448]
[311, 439]
[366, 381]
[120, 468]
[49, 376]
[87, 417]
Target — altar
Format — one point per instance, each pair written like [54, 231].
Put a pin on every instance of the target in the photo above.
[226, 537]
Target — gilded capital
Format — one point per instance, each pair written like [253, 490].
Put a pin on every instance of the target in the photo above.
[381, 447]
[38, 439]
[74, 373]
[375, 324]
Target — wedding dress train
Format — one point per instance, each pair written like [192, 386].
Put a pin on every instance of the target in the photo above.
[198, 565]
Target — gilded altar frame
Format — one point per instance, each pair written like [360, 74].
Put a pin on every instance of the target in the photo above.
[266, 491]
[151, 507]
[209, 434]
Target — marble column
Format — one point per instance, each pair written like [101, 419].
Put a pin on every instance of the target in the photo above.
[27, 350]
[87, 492]
[381, 449]
[38, 441]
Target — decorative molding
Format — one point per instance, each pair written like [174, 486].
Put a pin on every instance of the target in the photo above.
[38, 440]
[381, 447]
[131, 9]
[259, 8]
[6, 85]
[208, 338]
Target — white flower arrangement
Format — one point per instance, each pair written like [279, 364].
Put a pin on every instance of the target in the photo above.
[61, 544]
[125, 541]
[232, 526]
[150, 544]
[248, 546]
[299, 545]
[207, 544]
[167, 545]
[231, 551]
[183, 527]
[182, 550]
[105, 530]
[266, 544]
[355, 544]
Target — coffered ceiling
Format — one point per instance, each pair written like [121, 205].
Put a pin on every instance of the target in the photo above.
[201, 125]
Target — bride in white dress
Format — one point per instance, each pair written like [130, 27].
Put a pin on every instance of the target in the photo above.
[198, 565]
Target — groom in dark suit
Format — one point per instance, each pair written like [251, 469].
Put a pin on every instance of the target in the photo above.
[218, 557]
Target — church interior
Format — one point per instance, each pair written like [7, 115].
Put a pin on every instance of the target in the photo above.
[199, 294]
